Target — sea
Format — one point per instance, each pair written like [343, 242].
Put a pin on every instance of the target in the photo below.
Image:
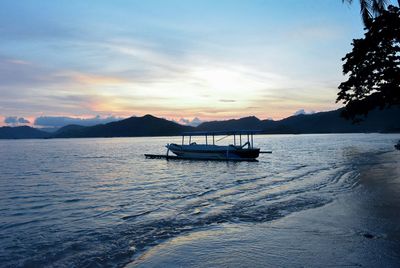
[100, 203]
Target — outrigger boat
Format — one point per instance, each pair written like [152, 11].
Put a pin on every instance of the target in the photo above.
[242, 149]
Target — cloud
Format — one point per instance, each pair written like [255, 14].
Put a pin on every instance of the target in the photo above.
[143, 78]
[11, 120]
[90, 79]
[60, 121]
[187, 122]
[183, 121]
[23, 120]
[302, 111]
[226, 100]
[17, 73]
[172, 65]
[299, 112]
[14, 120]
[321, 33]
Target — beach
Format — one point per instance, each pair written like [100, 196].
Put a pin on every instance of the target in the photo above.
[359, 228]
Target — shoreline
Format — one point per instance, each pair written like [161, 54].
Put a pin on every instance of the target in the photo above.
[178, 135]
[358, 228]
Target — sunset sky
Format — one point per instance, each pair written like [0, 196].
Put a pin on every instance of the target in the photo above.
[175, 59]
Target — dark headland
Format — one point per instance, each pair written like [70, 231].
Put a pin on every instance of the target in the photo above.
[383, 121]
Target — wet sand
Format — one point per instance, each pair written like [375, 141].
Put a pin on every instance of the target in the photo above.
[360, 228]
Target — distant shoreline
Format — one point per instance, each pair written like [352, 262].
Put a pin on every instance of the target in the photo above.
[378, 121]
[177, 135]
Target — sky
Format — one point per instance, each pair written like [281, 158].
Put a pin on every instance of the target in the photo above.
[210, 59]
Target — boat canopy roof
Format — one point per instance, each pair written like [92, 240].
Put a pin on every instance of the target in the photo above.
[216, 133]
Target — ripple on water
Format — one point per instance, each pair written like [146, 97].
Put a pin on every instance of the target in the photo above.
[99, 202]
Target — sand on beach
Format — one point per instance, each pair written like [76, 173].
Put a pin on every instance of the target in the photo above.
[360, 228]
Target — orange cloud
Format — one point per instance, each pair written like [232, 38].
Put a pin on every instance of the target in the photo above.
[92, 79]
[19, 62]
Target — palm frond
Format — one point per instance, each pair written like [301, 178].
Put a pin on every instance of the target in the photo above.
[370, 8]
[378, 6]
[365, 7]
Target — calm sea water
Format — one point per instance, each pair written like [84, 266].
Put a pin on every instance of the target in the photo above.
[99, 202]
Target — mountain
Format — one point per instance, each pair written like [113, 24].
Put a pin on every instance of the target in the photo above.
[23, 132]
[387, 120]
[69, 130]
[251, 123]
[147, 125]
[324, 122]
[49, 129]
[331, 122]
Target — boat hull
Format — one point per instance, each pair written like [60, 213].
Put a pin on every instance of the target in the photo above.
[214, 152]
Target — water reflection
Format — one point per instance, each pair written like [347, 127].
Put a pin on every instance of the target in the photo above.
[98, 201]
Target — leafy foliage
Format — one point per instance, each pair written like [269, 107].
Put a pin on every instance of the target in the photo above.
[373, 67]
[370, 9]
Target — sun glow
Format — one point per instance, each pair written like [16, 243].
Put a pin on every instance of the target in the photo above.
[210, 92]
[170, 66]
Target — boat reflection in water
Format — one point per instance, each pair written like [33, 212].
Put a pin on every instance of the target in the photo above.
[242, 148]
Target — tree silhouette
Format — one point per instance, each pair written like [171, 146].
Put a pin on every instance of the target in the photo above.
[373, 67]
[370, 9]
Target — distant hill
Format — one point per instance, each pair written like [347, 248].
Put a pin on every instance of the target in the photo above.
[331, 122]
[147, 125]
[324, 122]
[49, 129]
[23, 132]
[251, 123]
[68, 131]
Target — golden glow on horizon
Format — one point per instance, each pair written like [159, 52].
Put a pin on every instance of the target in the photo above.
[212, 91]
[216, 62]
[90, 79]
